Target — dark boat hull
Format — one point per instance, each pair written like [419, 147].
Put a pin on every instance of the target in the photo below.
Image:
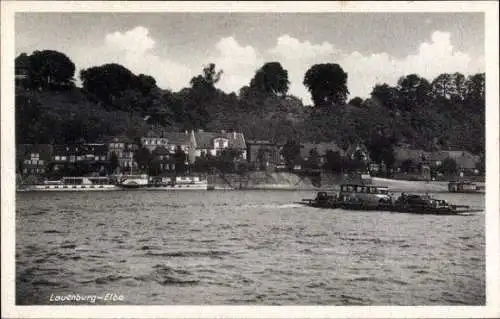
[389, 208]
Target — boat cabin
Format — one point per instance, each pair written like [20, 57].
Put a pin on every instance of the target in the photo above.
[367, 194]
[365, 189]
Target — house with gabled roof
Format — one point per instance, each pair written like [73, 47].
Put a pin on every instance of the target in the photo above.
[214, 143]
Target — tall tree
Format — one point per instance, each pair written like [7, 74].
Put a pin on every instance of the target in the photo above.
[291, 153]
[49, 68]
[180, 159]
[414, 91]
[108, 82]
[327, 84]
[143, 158]
[385, 95]
[271, 78]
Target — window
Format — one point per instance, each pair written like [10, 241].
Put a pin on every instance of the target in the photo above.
[57, 158]
[26, 161]
[63, 158]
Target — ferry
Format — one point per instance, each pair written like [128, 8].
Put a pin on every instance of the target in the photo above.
[179, 183]
[72, 184]
[465, 187]
[368, 197]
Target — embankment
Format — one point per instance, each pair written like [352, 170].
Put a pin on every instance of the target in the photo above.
[288, 181]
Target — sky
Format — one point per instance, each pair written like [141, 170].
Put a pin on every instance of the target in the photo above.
[373, 48]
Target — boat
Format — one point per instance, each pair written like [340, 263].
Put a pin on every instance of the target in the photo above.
[179, 183]
[72, 184]
[369, 198]
[465, 187]
[133, 181]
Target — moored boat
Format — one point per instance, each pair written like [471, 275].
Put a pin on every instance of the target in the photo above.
[72, 184]
[465, 187]
[179, 183]
[133, 181]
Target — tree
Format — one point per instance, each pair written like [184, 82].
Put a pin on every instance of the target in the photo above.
[291, 153]
[271, 78]
[108, 82]
[357, 101]
[381, 149]
[448, 166]
[327, 84]
[48, 69]
[113, 162]
[414, 91]
[143, 158]
[313, 160]
[385, 95]
[333, 161]
[408, 165]
[180, 159]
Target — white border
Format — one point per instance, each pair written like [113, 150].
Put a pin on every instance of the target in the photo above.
[9, 310]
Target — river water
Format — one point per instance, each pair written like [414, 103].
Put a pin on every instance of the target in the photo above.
[242, 247]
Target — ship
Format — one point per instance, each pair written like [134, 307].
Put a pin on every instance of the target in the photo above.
[72, 184]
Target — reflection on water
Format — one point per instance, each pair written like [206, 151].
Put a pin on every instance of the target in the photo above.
[243, 247]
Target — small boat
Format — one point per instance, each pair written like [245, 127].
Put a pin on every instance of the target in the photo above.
[465, 187]
[72, 184]
[179, 183]
[133, 181]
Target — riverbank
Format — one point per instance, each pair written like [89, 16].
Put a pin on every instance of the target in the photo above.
[289, 181]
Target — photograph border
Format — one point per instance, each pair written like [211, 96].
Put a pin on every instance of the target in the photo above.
[492, 218]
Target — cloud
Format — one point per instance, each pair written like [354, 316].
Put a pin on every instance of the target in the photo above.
[135, 49]
[364, 71]
[238, 63]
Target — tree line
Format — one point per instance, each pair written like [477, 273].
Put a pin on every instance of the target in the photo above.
[445, 112]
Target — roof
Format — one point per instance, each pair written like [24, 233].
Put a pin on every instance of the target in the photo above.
[402, 154]
[80, 149]
[177, 138]
[321, 148]
[114, 139]
[464, 159]
[259, 142]
[204, 140]
[161, 150]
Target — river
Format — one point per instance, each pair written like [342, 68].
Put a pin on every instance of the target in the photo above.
[243, 247]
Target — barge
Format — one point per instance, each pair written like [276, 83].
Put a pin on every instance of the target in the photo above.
[377, 198]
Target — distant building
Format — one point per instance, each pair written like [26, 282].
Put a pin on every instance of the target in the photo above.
[196, 144]
[263, 152]
[321, 148]
[32, 159]
[466, 161]
[123, 147]
[214, 143]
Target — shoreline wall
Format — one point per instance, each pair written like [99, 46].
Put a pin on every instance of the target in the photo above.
[263, 180]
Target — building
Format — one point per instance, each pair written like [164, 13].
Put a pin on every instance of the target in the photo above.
[262, 153]
[95, 156]
[466, 161]
[211, 143]
[321, 148]
[32, 159]
[123, 147]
